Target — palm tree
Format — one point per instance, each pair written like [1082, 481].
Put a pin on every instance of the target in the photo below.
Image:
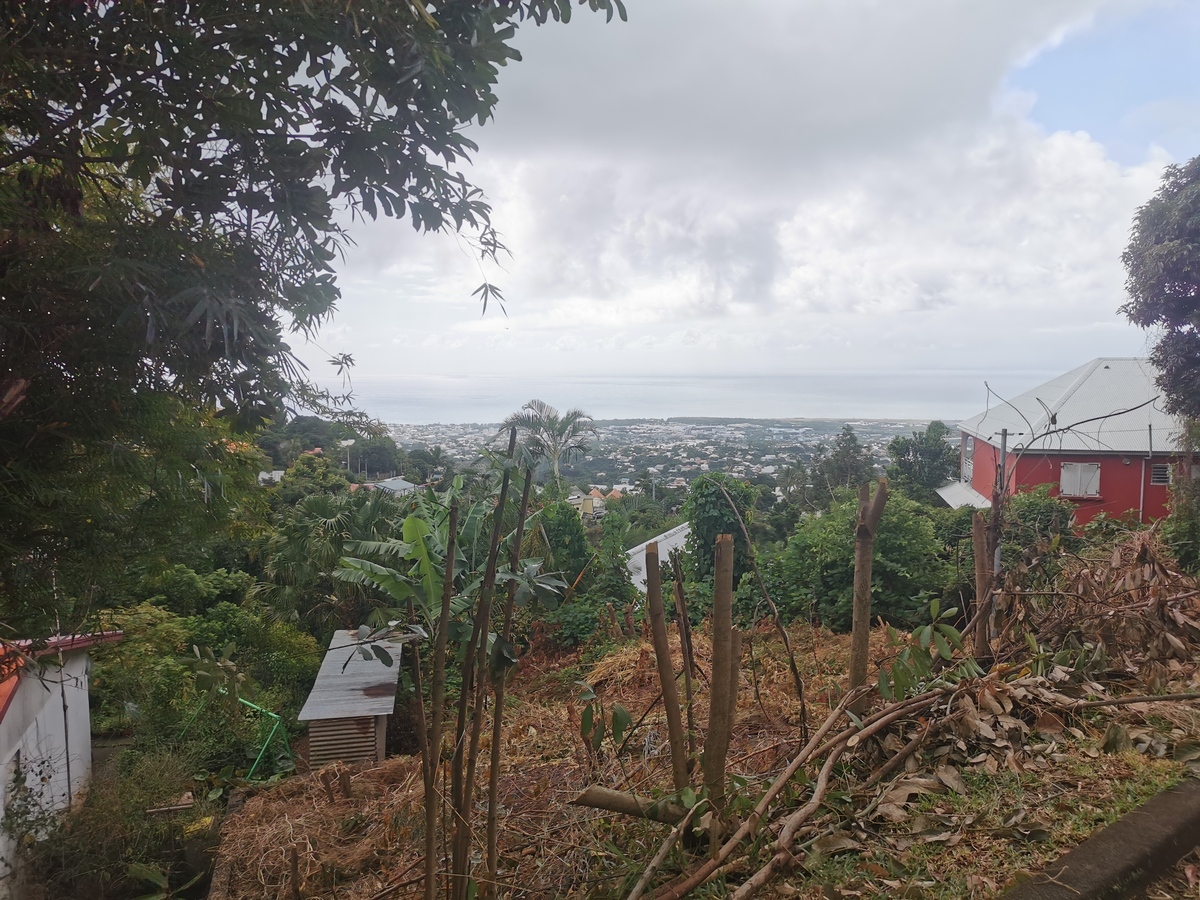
[549, 435]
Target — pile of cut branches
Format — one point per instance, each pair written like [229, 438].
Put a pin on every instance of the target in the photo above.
[1130, 614]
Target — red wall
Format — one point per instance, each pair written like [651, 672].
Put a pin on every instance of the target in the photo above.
[1121, 484]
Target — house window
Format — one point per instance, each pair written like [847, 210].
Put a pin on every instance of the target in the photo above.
[1080, 480]
[1160, 473]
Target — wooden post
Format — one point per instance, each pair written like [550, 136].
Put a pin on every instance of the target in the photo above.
[870, 510]
[666, 669]
[983, 589]
[716, 742]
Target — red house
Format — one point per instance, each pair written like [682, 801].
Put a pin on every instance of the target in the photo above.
[1098, 435]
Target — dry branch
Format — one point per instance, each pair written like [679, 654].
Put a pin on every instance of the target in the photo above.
[597, 797]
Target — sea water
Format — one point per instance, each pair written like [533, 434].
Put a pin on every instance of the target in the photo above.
[948, 394]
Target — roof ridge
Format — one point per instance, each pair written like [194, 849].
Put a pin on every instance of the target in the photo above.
[1077, 384]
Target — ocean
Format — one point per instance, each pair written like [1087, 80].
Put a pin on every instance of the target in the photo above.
[946, 394]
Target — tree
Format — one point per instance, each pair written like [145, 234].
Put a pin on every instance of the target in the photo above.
[172, 179]
[708, 513]
[923, 462]
[1162, 262]
[909, 563]
[847, 465]
[550, 435]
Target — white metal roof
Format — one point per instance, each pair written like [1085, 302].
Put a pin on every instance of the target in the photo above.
[1110, 405]
[958, 494]
[357, 687]
[395, 485]
[667, 541]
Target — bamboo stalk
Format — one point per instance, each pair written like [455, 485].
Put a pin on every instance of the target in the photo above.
[473, 683]
[983, 589]
[498, 687]
[684, 625]
[437, 703]
[666, 669]
[778, 620]
[597, 797]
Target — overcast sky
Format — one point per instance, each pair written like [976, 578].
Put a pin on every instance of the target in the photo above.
[790, 186]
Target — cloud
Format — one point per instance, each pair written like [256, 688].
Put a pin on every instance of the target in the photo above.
[765, 187]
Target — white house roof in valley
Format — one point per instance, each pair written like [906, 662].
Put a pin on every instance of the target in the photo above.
[667, 541]
[1109, 405]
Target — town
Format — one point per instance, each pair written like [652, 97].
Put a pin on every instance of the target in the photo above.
[673, 452]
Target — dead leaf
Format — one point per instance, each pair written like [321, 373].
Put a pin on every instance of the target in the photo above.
[838, 842]
[890, 812]
[1049, 723]
[949, 776]
[1116, 739]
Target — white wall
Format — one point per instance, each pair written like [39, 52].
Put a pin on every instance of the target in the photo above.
[50, 745]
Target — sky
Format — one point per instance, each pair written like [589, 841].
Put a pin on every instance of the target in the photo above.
[771, 188]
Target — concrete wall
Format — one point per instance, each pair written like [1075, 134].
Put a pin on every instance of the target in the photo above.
[50, 745]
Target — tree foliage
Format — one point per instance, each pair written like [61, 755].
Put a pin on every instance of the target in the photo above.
[817, 568]
[550, 435]
[708, 513]
[1162, 262]
[923, 462]
[173, 182]
[845, 465]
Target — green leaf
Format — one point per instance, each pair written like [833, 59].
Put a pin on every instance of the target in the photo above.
[885, 685]
[621, 720]
[152, 874]
[943, 648]
[953, 635]
[924, 635]
[585, 721]
[364, 632]
[687, 797]
[382, 655]
[934, 608]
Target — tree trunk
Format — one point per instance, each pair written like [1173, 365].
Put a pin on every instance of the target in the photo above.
[870, 510]
[716, 742]
[983, 590]
[666, 669]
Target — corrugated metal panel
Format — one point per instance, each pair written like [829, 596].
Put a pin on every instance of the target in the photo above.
[667, 541]
[1099, 400]
[958, 495]
[349, 686]
[347, 740]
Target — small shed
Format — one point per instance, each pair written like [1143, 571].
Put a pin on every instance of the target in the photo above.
[348, 708]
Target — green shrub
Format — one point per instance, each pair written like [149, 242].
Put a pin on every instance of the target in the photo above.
[817, 567]
[89, 855]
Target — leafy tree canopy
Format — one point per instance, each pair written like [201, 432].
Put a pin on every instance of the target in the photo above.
[708, 513]
[173, 179]
[1162, 262]
[847, 464]
[909, 564]
[923, 462]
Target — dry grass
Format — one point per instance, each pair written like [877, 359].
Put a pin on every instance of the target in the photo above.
[940, 844]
